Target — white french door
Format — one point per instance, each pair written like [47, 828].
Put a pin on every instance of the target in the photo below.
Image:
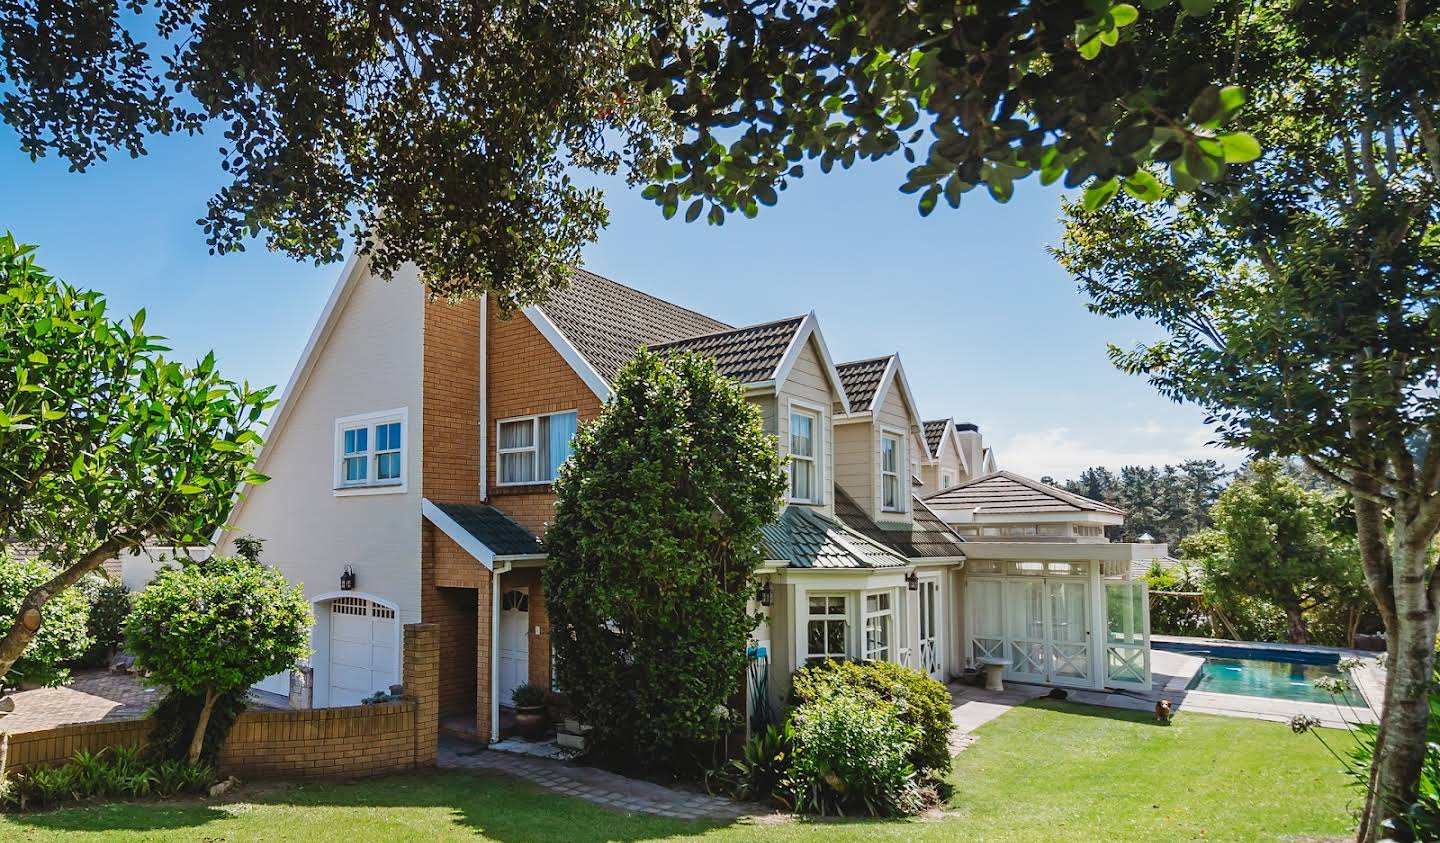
[1041, 625]
[1127, 635]
[929, 638]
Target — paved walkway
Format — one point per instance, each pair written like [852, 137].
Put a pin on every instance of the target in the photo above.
[93, 696]
[601, 787]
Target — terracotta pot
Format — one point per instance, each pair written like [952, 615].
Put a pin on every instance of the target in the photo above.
[532, 722]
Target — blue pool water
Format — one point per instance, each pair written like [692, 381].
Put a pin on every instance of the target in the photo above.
[1256, 672]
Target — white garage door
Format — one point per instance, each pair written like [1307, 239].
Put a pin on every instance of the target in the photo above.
[362, 649]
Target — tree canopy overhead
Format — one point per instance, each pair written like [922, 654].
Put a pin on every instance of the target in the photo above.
[447, 133]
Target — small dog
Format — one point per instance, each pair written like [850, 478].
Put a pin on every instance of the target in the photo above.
[1162, 712]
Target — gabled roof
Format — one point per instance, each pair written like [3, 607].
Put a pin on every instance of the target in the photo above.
[1006, 491]
[935, 433]
[928, 537]
[483, 531]
[807, 539]
[750, 355]
[607, 321]
[861, 379]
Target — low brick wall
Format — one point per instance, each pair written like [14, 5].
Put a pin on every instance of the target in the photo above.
[354, 741]
[55, 746]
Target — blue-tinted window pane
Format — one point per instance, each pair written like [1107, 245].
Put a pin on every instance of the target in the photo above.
[357, 441]
[387, 466]
[387, 437]
[355, 469]
[561, 432]
[349, 441]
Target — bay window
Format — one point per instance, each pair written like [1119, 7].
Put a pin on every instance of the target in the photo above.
[532, 449]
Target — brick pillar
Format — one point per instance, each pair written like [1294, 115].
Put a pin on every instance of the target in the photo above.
[539, 642]
[422, 684]
[484, 644]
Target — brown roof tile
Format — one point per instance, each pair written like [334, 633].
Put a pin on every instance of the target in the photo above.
[861, 378]
[750, 354]
[934, 432]
[1006, 491]
[607, 321]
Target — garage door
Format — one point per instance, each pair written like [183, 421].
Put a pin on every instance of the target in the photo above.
[362, 649]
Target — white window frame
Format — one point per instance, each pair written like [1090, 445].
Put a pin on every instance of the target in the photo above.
[370, 421]
[946, 479]
[534, 448]
[817, 412]
[843, 618]
[888, 616]
[900, 491]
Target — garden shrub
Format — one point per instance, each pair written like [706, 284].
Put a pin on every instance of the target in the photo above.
[109, 602]
[920, 702]
[63, 636]
[119, 771]
[851, 756]
[762, 769]
[212, 629]
[653, 553]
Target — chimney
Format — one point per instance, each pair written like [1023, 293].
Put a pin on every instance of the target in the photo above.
[972, 445]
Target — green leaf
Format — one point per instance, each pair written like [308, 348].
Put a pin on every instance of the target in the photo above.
[1239, 147]
[1099, 194]
[1124, 14]
[1205, 106]
[189, 489]
[1143, 185]
[1091, 48]
[38, 358]
[1198, 8]
[1231, 98]
[692, 213]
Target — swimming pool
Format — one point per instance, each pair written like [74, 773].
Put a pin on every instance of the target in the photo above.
[1260, 672]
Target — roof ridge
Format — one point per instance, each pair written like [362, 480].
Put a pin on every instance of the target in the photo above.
[650, 296]
[731, 330]
[885, 357]
[1055, 491]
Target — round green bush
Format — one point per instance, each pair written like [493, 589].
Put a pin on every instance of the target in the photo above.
[920, 702]
[63, 636]
[109, 601]
[852, 756]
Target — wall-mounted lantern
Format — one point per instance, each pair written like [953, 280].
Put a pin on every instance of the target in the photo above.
[765, 594]
[347, 579]
[912, 581]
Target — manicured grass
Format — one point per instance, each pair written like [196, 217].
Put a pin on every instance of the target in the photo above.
[1048, 771]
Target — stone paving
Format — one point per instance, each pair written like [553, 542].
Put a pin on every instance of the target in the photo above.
[601, 787]
[93, 696]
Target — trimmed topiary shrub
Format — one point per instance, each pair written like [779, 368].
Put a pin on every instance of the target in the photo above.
[212, 629]
[919, 702]
[852, 756]
[63, 636]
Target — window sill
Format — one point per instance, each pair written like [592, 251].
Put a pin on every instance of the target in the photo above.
[359, 491]
[805, 502]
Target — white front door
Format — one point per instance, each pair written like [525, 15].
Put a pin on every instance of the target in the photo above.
[1068, 622]
[929, 638]
[363, 658]
[514, 642]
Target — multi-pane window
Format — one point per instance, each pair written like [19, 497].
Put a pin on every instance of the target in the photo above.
[532, 449]
[371, 450]
[890, 473]
[826, 627]
[879, 626]
[946, 480]
[804, 456]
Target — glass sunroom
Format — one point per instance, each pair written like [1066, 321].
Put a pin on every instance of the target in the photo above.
[1057, 614]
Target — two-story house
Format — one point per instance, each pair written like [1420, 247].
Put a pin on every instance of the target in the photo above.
[411, 459]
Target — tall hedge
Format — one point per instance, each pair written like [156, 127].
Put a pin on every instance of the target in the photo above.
[653, 551]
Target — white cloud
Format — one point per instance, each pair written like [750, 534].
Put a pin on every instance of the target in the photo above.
[1058, 453]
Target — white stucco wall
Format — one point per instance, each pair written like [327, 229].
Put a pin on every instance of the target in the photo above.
[371, 361]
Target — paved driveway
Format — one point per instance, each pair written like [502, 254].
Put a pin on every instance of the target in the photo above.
[93, 696]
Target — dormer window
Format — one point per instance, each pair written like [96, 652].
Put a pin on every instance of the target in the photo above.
[805, 450]
[891, 499]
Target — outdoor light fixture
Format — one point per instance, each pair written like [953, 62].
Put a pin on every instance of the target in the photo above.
[912, 581]
[347, 579]
[765, 594]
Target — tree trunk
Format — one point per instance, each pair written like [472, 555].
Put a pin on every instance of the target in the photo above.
[1352, 624]
[31, 615]
[1409, 666]
[1299, 632]
[197, 742]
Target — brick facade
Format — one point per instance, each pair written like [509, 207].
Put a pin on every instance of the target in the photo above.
[355, 741]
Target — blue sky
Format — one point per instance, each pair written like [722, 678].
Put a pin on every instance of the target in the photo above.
[990, 329]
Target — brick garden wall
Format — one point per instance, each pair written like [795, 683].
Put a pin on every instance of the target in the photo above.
[353, 741]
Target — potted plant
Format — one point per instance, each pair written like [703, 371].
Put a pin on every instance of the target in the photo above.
[531, 718]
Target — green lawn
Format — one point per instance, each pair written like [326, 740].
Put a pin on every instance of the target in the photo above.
[1048, 771]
